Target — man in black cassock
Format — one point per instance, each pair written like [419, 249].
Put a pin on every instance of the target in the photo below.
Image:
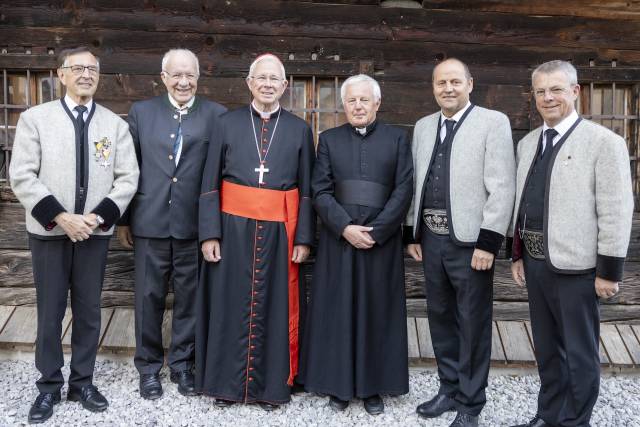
[256, 225]
[355, 343]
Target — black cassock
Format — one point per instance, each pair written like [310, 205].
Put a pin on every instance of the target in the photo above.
[355, 342]
[242, 340]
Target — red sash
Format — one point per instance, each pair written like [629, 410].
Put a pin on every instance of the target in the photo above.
[271, 205]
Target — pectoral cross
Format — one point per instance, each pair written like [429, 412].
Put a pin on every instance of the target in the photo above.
[262, 170]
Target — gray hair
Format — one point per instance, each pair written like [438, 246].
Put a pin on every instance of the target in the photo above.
[263, 57]
[167, 56]
[557, 65]
[360, 78]
[467, 73]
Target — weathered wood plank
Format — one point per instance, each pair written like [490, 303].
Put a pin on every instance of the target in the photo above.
[412, 338]
[424, 338]
[497, 350]
[515, 339]
[5, 313]
[614, 346]
[120, 334]
[631, 342]
[604, 359]
[510, 310]
[21, 328]
[166, 328]
[105, 318]
[585, 8]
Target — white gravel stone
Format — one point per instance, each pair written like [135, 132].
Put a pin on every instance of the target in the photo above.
[511, 399]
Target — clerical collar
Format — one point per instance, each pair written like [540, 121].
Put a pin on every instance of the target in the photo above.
[457, 116]
[185, 108]
[264, 115]
[71, 104]
[363, 131]
[563, 126]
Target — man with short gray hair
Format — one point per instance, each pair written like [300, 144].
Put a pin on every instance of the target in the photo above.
[356, 334]
[465, 184]
[171, 136]
[74, 171]
[573, 213]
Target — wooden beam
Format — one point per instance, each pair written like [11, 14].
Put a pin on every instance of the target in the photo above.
[515, 339]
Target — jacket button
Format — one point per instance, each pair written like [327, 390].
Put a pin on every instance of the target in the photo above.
[170, 156]
[175, 116]
[173, 135]
[169, 201]
[174, 179]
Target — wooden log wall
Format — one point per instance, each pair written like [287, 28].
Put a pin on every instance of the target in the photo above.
[501, 40]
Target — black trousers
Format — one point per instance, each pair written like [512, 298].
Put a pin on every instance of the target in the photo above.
[60, 268]
[565, 321]
[459, 308]
[158, 261]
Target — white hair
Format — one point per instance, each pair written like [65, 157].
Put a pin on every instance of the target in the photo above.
[359, 78]
[263, 57]
[167, 56]
[557, 65]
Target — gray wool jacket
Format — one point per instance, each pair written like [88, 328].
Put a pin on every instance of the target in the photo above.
[50, 175]
[588, 206]
[481, 177]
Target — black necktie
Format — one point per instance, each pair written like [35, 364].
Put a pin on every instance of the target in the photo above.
[549, 135]
[80, 119]
[449, 124]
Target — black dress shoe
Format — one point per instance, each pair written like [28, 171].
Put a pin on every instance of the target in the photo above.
[185, 381]
[338, 404]
[268, 406]
[464, 420]
[535, 422]
[42, 408]
[223, 403]
[89, 397]
[373, 405]
[150, 387]
[435, 407]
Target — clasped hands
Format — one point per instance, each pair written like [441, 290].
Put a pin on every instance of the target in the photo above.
[212, 253]
[604, 288]
[77, 227]
[358, 236]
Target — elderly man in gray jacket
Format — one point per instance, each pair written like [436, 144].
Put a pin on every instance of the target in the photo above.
[74, 170]
[461, 209]
[573, 212]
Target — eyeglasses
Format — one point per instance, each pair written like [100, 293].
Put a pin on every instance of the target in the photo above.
[266, 79]
[78, 70]
[179, 76]
[555, 91]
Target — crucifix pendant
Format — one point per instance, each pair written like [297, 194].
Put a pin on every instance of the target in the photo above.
[261, 170]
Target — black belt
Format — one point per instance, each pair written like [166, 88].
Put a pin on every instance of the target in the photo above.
[533, 243]
[362, 193]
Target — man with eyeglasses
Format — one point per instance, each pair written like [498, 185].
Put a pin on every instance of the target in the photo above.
[171, 133]
[573, 213]
[465, 185]
[74, 170]
[256, 227]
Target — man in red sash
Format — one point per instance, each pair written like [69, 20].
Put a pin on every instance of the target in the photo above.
[256, 226]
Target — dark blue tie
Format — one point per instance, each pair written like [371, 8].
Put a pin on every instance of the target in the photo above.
[549, 134]
[449, 124]
[81, 109]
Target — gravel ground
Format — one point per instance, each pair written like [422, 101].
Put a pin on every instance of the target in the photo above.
[511, 399]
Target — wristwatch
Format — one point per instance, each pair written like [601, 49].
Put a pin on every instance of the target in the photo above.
[99, 219]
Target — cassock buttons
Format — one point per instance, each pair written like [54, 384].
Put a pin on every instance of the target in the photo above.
[174, 179]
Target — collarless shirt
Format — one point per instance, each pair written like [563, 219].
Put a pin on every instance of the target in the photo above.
[562, 128]
[456, 117]
[72, 105]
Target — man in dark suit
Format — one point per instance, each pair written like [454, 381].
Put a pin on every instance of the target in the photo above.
[171, 136]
